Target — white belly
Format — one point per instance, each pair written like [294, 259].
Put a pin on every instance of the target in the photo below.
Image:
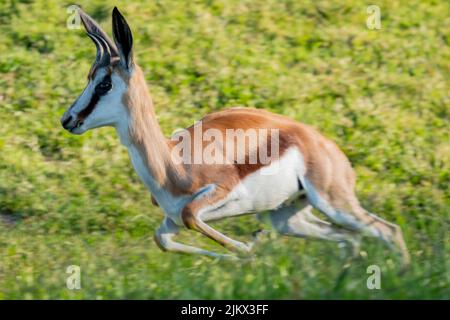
[265, 189]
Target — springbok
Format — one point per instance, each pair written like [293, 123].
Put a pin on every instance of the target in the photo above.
[310, 170]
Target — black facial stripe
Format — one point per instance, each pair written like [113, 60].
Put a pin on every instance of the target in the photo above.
[83, 114]
[89, 108]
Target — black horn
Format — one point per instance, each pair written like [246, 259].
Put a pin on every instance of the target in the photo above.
[98, 45]
[103, 51]
[93, 28]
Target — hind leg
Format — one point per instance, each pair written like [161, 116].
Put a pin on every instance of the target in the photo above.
[298, 220]
[343, 208]
[396, 236]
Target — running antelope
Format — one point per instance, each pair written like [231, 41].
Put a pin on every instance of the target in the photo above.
[310, 170]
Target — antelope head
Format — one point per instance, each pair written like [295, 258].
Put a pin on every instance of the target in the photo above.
[101, 102]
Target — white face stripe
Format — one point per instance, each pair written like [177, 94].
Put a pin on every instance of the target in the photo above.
[88, 92]
[108, 110]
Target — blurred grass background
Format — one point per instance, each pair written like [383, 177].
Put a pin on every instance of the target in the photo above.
[382, 95]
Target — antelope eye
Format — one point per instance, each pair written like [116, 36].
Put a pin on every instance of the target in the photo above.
[103, 87]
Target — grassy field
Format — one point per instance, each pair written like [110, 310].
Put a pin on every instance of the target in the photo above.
[382, 95]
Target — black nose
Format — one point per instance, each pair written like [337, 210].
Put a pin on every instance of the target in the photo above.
[66, 122]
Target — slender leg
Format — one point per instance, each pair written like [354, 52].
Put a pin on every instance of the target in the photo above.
[347, 212]
[298, 220]
[225, 241]
[396, 237]
[168, 230]
[192, 217]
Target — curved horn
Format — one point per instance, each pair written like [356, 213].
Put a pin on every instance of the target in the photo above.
[105, 57]
[98, 46]
[92, 27]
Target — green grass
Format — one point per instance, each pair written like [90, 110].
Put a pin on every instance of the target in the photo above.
[382, 95]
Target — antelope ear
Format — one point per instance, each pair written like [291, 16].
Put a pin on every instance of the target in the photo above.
[92, 27]
[123, 39]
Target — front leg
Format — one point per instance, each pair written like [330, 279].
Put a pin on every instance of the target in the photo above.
[163, 238]
[192, 214]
